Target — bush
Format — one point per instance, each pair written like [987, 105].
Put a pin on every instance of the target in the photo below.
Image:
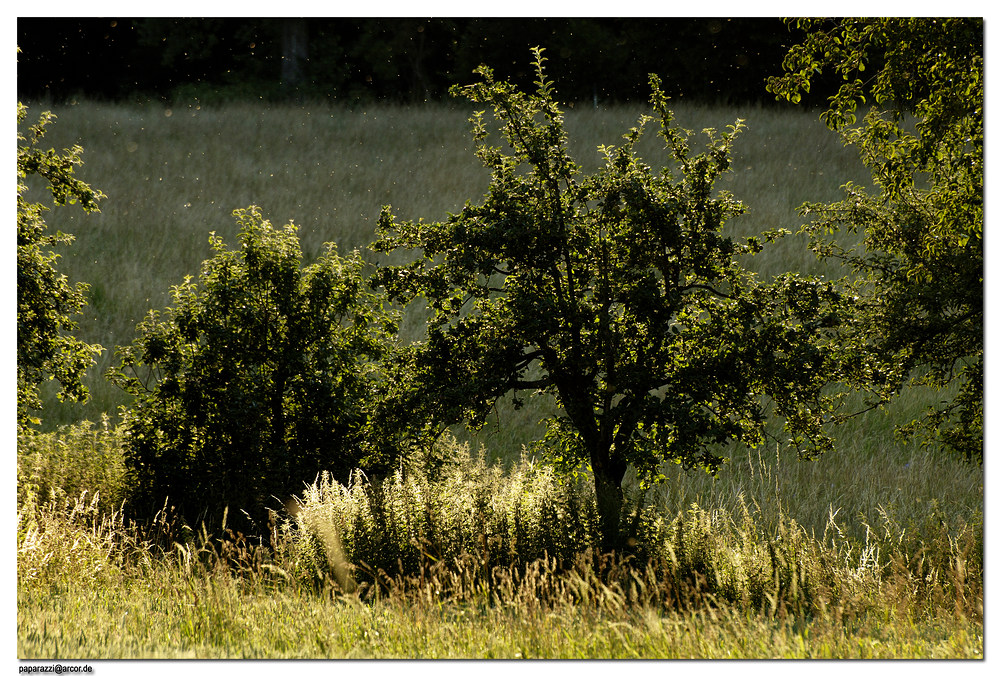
[258, 378]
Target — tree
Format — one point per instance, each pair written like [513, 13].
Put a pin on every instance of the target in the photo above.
[257, 378]
[617, 294]
[919, 268]
[46, 300]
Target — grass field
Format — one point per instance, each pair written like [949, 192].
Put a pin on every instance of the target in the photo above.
[767, 562]
[875, 551]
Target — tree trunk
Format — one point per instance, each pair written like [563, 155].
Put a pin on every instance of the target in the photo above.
[608, 474]
[606, 460]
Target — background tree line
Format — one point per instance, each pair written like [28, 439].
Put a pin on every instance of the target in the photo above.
[399, 59]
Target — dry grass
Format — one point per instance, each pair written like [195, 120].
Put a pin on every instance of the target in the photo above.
[714, 582]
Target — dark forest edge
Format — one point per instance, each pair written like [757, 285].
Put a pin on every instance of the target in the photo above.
[405, 60]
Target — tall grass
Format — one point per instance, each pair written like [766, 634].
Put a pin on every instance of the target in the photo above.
[735, 537]
[173, 175]
[476, 561]
[70, 461]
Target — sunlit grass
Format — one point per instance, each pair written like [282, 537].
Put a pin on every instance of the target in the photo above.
[214, 619]
[727, 584]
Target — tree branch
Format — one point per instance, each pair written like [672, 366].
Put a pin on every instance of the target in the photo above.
[706, 287]
[539, 384]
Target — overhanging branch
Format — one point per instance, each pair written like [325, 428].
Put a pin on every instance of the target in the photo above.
[538, 384]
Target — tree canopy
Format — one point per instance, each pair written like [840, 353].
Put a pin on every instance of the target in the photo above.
[919, 269]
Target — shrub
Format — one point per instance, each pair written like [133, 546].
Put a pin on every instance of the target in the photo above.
[260, 376]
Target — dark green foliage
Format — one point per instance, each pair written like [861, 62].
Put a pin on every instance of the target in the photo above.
[259, 376]
[618, 294]
[46, 300]
[919, 273]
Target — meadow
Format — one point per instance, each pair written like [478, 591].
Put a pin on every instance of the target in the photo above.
[874, 551]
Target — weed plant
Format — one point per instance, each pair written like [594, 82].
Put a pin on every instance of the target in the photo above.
[65, 463]
[465, 509]
[747, 549]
